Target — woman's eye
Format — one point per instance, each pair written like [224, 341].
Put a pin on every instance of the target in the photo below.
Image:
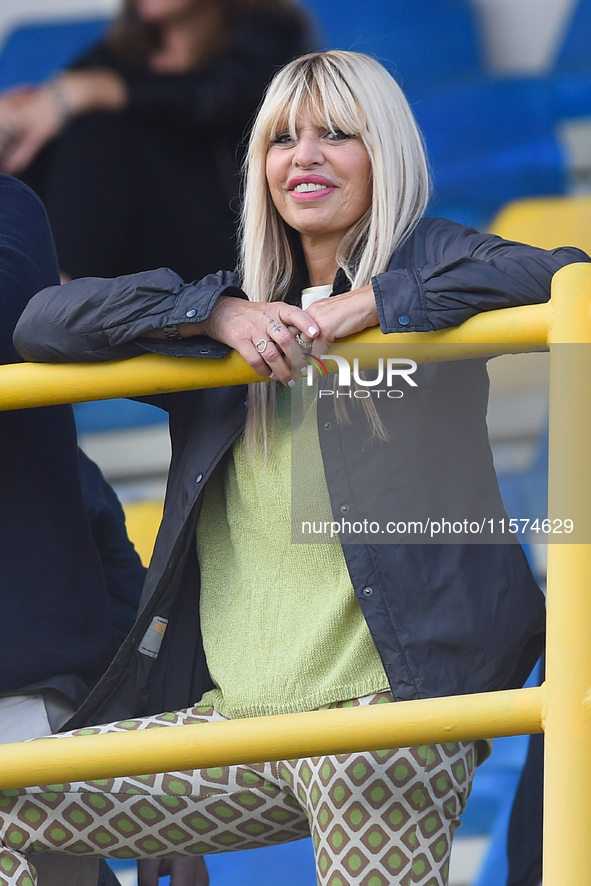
[337, 135]
[283, 138]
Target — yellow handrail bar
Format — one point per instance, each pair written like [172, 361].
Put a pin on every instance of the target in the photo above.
[562, 707]
[510, 331]
[261, 739]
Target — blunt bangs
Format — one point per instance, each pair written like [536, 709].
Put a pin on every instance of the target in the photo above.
[314, 85]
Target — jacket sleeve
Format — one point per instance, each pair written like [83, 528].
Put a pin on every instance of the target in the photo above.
[461, 272]
[93, 319]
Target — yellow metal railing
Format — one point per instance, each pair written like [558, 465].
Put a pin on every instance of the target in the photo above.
[39, 384]
[561, 708]
[284, 737]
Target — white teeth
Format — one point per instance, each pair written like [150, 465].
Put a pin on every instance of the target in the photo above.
[305, 187]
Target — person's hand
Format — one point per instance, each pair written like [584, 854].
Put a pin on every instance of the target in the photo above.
[11, 102]
[343, 315]
[31, 117]
[262, 332]
[28, 120]
[189, 871]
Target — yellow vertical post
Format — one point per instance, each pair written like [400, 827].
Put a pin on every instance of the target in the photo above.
[567, 802]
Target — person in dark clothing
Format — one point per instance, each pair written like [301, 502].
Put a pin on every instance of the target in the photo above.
[135, 149]
[70, 579]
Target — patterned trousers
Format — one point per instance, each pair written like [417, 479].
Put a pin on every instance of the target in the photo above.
[376, 819]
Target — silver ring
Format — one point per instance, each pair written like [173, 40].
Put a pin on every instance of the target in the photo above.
[261, 345]
[306, 345]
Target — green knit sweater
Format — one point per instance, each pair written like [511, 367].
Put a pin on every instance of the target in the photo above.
[282, 628]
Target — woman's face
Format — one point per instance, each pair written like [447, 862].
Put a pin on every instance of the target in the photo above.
[156, 11]
[320, 181]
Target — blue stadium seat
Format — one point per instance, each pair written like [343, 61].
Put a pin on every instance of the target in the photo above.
[33, 52]
[570, 79]
[116, 415]
[489, 142]
[425, 43]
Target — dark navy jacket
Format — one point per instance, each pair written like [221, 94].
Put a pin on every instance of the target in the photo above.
[446, 619]
[56, 611]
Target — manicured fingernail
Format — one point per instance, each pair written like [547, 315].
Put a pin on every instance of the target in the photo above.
[291, 383]
[272, 375]
[312, 330]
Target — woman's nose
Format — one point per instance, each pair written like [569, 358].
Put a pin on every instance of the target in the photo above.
[308, 151]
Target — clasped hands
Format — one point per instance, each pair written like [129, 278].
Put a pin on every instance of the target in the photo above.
[264, 333]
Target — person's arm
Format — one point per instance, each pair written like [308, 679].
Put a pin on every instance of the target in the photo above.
[30, 118]
[93, 319]
[223, 93]
[466, 273]
[27, 257]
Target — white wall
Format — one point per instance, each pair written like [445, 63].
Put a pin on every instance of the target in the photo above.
[523, 35]
[15, 11]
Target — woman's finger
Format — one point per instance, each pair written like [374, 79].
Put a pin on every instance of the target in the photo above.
[292, 329]
[291, 315]
[262, 332]
[345, 314]
[272, 339]
[274, 360]
[278, 362]
[263, 355]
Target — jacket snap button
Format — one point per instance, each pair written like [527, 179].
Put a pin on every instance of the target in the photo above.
[327, 426]
[198, 478]
[344, 509]
[204, 350]
[191, 313]
[367, 592]
[404, 320]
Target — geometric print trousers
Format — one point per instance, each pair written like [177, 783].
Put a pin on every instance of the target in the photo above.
[381, 818]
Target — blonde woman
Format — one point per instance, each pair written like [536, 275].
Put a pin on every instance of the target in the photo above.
[237, 621]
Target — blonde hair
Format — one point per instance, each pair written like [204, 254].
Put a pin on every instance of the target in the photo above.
[356, 94]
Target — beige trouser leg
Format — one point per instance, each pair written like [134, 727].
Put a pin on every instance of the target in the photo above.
[381, 818]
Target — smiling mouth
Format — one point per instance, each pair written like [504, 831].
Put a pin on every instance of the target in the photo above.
[307, 187]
